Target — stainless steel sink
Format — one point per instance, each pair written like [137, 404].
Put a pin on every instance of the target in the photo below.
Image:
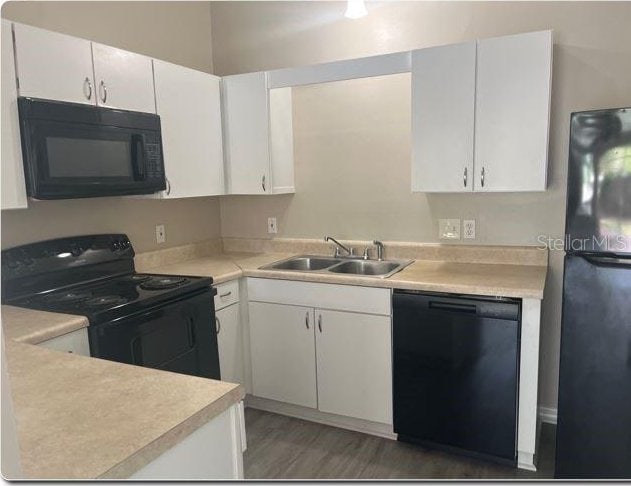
[321, 264]
[365, 267]
[303, 263]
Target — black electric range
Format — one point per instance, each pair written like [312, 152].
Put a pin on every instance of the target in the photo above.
[159, 321]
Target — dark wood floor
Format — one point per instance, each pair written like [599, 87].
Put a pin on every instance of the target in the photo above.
[282, 447]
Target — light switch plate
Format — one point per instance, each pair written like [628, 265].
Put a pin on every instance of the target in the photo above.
[468, 229]
[449, 229]
[161, 235]
[271, 226]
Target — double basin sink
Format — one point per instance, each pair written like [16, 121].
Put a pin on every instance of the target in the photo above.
[321, 264]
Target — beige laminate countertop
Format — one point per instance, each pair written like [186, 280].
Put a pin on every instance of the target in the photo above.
[81, 418]
[491, 279]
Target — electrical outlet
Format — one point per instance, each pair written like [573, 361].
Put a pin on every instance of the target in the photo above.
[161, 235]
[468, 229]
[271, 226]
[449, 229]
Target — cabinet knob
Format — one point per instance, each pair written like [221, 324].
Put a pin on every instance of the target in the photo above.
[103, 91]
[87, 88]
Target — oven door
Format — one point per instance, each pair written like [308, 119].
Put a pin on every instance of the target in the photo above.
[74, 151]
[178, 336]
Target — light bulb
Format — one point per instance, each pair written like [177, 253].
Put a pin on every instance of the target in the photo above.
[355, 9]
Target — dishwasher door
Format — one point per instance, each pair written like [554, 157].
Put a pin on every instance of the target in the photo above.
[455, 372]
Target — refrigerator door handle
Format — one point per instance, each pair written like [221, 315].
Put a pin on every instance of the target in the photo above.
[608, 261]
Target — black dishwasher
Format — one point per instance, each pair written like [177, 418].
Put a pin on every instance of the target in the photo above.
[455, 372]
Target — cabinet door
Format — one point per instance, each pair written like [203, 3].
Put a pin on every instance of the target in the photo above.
[443, 107]
[512, 112]
[13, 189]
[246, 124]
[123, 79]
[189, 106]
[354, 365]
[230, 343]
[53, 66]
[282, 346]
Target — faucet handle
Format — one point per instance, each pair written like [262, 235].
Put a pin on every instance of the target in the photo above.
[366, 253]
[379, 246]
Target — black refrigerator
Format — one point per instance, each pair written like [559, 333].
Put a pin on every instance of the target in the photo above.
[594, 407]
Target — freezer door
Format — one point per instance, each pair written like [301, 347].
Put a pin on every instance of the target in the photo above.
[594, 416]
[599, 182]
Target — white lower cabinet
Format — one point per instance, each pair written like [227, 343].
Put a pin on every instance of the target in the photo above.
[73, 342]
[213, 451]
[354, 365]
[337, 361]
[229, 332]
[282, 346]
[230, 343]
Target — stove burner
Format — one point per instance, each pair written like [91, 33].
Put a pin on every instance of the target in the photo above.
[139, 277]
[68, 297]
[159, 283]
[105, 300]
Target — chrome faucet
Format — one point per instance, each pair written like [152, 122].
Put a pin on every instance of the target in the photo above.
[349, 251]
[379, 246]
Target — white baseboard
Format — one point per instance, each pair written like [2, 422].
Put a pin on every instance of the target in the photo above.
[548, 415]
[312, 415]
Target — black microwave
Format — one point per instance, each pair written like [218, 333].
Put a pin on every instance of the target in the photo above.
[72, 150]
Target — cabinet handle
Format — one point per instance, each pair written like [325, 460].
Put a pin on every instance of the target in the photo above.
[168, 191]
[320, 322]
[482, 180]
[87, 88]
[465, 177]
[218, 324]
[307, 320]
[263, 182]
[103, 91]
[227, 294]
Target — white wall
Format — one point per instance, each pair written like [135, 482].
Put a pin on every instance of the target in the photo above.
[592, 69]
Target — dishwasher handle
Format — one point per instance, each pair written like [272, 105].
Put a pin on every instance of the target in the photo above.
[453, 307]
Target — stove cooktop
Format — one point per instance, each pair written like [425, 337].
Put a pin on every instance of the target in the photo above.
[111, 298]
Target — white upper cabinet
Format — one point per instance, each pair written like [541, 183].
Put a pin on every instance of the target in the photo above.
[512, 112]
[443, 101]
[480, 115]
[246, 117]
[189, 105]
[54, 66]
[123, 79]
[13, 189]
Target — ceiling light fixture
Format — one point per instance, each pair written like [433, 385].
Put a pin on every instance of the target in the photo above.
[355, 9]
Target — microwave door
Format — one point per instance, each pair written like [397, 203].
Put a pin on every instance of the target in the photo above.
[66, 157]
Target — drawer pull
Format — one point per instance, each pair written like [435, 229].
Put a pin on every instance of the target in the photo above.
[227, 294]
[218, 325]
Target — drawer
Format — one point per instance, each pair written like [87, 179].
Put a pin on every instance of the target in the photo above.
[350, 298]
[227, 294]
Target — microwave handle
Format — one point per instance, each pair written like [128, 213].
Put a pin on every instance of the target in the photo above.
[138, 148]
